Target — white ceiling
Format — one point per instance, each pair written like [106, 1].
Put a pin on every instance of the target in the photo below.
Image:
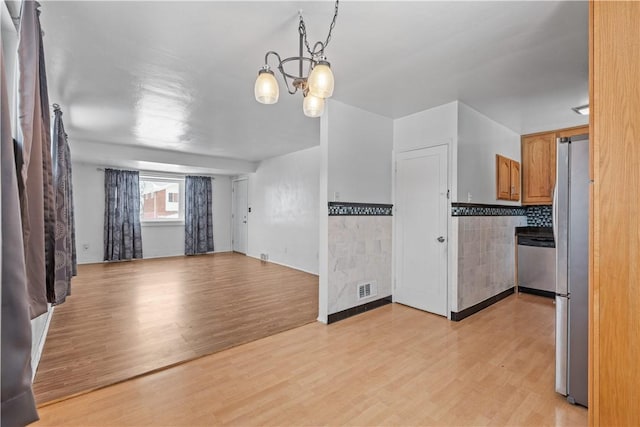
[179, 75]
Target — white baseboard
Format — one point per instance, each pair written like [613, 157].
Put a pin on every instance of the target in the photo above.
[39, 342]
[286, 265]
[152, 257]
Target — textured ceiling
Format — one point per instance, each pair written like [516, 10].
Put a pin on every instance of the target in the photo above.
[179, 75]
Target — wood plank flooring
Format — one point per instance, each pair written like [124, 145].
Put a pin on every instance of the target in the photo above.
[126, 319]
[390, 366]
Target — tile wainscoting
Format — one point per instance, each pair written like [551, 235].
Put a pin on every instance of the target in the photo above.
[359, 253]
[486, 253]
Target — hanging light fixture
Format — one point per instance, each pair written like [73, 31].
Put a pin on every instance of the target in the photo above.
[316, 85]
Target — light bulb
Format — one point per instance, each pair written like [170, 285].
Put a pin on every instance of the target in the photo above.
[312, 106]
[266, 89]
[321, 80]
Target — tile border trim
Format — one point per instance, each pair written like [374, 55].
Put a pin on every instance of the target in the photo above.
[360, 209]
[458, 316]
[359, 309]
[477, 209]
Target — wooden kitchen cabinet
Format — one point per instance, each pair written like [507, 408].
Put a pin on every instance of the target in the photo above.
[507, 178]
[515, 180]
[538, 168]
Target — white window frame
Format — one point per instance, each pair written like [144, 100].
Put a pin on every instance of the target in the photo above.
[181, 195]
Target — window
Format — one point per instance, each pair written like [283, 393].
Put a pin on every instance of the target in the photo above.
[161, 199]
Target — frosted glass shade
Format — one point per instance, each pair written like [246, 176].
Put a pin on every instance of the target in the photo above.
[321, 80]
[312, 106]
[266, 89]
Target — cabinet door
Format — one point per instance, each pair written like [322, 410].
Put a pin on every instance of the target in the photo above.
[515, 180]
[538, 168]
[503, 178]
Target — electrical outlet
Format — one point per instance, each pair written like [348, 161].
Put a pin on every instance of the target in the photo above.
[85, 247]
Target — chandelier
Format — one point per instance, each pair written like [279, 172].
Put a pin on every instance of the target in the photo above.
[316, 85]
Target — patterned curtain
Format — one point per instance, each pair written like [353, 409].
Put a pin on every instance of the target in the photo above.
[198, 216]
[65, 239]
[122, 233]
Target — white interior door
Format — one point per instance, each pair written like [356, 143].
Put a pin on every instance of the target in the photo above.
[239, 215]
[421, 229]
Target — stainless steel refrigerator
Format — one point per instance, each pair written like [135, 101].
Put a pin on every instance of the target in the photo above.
[571, 233]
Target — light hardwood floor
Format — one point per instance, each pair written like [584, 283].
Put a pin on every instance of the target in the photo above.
[126, 319]
[391, 366]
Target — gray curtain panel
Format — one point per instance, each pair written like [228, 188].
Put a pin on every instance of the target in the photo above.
[65, 244]
[198, 215]
[18, 404]
[122, 233]
[38, 214]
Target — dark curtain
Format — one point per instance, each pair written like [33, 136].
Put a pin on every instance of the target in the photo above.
[122, 233]
[65, 240]
[198, 215]
[18, 404]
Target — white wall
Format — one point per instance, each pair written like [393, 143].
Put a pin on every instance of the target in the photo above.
[428, 128]
[88, 204]
[9, 50]
[359, 154]
[157, 240]
[479, 140]
[284, 201]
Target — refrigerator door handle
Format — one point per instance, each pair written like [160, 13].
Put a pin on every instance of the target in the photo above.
[562, 320]
[560, 219]
[554, 211]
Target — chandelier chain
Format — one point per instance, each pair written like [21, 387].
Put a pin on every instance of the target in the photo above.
[303, 30]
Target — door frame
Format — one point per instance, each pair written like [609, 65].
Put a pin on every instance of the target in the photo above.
[452, 229]
[234, 213]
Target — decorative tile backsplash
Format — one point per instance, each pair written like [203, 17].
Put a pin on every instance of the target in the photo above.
[475, 209]
[539, 216]
[361, 209]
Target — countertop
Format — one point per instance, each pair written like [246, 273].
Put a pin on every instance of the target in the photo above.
[534, 231]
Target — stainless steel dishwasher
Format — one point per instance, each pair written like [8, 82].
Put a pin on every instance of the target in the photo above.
[537, 265]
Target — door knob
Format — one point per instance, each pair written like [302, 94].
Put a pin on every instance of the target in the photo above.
[440, 239]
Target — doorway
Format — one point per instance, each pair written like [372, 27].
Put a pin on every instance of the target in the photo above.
[421, 229]
[240, 203]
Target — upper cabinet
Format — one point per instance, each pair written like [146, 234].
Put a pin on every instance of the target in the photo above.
[539, 164]
[507, 179]
[538, 168]
[515, 180]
